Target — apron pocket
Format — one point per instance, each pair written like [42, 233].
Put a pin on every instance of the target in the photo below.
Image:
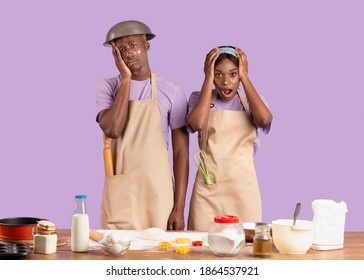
[212, 189]
[116, 200]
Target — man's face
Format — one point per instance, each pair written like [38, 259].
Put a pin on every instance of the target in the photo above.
[133, 50]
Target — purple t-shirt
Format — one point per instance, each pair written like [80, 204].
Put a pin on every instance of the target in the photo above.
[232, 105]
[172, 102]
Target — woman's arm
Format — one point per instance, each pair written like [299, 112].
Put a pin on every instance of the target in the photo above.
[261, 114]
[199, 116]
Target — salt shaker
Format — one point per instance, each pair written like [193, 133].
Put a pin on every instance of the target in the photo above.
[226, 237]
[262, 241]
[80, 228]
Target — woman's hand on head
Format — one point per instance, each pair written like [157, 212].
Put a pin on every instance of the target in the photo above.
[210, 62]
[120, 64]
[243, 63]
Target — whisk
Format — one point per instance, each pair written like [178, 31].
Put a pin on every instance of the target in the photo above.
[201, 161]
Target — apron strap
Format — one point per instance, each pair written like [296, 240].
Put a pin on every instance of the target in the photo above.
[154, 85]
[213, 98]
[243, 101]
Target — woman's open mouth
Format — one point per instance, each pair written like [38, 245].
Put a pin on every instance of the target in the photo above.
[226, 92]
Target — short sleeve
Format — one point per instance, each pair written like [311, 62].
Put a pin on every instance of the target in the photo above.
[105, 95]
[178, 113]
[191, 104]
[265, 130]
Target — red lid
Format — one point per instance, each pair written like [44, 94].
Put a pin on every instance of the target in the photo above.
[226, 219]
[197, 243]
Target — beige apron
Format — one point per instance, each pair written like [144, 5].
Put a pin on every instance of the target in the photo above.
[140, 194]
[228, 143]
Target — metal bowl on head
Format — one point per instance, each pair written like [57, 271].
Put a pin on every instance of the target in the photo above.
[249, 229]
[127, 28]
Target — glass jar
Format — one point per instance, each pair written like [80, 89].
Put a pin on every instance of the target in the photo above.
[80, 228]
[45, 238]
[262, 241]
[226, 237]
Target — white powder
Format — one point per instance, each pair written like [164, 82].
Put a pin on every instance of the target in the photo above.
[226, 241]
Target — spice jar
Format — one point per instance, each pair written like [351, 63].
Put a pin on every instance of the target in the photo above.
[45, 238]
[226, 237]
[262, 241]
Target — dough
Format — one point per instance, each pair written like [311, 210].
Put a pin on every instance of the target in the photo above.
[153, 234]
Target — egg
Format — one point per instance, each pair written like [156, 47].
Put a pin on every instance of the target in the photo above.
[104, 239]
[115, 249]
[114, 237]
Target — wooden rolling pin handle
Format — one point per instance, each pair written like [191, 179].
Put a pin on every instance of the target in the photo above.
[109, 169]
[95, 235]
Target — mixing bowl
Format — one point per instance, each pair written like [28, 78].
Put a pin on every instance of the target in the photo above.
[289, 239]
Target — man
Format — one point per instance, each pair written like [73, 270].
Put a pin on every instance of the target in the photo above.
[136, 110]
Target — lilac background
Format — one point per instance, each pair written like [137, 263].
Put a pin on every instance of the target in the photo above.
[305, 58]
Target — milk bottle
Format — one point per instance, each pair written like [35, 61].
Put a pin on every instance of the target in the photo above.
[80, 228]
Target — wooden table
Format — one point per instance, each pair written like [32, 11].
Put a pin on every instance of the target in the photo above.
[353, 250]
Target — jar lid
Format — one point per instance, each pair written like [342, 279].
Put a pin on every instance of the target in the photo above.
[226, 219]
[262, 229]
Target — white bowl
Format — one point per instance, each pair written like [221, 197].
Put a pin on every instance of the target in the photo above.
[290, 239]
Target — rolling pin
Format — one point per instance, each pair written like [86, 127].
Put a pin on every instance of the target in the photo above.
[95, 235]
[109, 169]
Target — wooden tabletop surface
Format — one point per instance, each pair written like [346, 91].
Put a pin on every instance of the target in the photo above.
[353, 250]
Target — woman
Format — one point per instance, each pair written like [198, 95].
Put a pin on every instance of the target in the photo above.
[227, 124]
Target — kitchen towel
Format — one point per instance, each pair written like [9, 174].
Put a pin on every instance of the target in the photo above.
[329, 224]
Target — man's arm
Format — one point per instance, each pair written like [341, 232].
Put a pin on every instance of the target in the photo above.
[180, 147]
[112, 121]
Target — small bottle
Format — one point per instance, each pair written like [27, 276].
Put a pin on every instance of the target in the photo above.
[80, 228]
[262, 241]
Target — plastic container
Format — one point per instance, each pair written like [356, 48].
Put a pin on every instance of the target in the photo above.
[262, 241]
[226, 237]
[80, 228]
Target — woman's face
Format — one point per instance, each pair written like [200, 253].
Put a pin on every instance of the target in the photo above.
[226, 79]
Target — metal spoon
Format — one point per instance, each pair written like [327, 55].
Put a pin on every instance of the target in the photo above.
[296, 213]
